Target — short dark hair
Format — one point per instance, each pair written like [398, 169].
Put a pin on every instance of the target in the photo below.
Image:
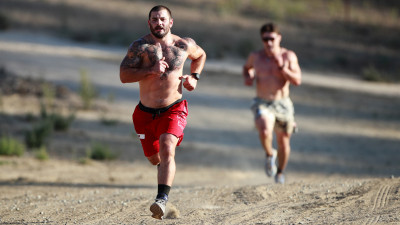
[159, 8]
[269, 27]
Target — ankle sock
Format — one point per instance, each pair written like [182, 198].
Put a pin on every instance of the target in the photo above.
[163, 191]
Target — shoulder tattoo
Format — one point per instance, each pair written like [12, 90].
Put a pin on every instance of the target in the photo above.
[138, 50]
[134, 56]
[189, 40]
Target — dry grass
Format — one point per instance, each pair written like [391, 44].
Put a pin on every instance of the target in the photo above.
[326, 35]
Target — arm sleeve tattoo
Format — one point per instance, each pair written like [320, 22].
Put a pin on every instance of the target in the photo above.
[134, 56]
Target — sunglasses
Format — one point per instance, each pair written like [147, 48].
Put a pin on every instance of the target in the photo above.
[268, 39]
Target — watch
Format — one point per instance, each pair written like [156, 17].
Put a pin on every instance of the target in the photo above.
[196, 76]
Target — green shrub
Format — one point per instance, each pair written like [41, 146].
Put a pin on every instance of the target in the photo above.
[37, 136]
[48, 123]
[43, 111]
[4, 162]
[61, 123]
[101, 152]
[41, 154]
[109, 121]
[372, 74]
[87, 90]
[10, 146]
[84, 160]
[49, 94]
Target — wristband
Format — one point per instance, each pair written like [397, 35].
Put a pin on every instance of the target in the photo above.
[196, 76]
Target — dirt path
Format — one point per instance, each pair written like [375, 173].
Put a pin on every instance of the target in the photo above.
[343, 170]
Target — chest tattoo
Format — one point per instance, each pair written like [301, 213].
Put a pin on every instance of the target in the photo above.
[174, 56]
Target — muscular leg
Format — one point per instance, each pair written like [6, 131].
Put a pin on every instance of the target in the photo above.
[166, 171]
[166, 159]
[265, 126]
[283, 141]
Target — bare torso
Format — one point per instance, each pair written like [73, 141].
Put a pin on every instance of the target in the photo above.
[270, 84]
[161, 91]
[157, 64]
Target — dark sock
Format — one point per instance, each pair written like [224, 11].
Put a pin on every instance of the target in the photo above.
[279, 171]
[163, 191]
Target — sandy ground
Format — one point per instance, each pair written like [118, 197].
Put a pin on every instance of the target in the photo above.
[344, 167]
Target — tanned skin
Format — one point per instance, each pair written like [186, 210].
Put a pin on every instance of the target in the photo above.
[273, 68]
[156, 61]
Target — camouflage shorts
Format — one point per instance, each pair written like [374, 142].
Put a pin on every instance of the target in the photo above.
[281, 109]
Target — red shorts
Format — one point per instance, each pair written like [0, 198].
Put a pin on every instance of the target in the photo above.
[151, 123]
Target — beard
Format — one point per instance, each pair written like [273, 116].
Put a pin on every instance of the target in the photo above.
[159, 34]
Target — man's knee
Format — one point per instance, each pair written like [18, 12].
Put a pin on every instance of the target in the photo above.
[265, 133]
[265, 126]
[168, 140]
[154, 159]
[168, 144]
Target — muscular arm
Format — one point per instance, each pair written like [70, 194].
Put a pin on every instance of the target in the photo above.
[197, 55]
[132, 68]
[248, 73]
[291, 70]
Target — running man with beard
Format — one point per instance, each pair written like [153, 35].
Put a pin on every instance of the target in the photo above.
[273, 68]
[156, 61]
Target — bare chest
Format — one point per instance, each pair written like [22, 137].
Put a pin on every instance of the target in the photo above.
[175, 56]
[266, 68]
[270, 82]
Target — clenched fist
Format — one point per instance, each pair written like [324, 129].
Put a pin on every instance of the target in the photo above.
[189, 82]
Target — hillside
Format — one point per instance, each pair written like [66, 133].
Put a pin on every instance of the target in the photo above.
[359, 38]
[344, 164]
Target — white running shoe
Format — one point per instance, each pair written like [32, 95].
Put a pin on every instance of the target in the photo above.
[270, 165]
[158, 208]
[280, 178]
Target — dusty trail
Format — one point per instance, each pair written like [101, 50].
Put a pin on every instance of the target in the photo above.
[340, 170]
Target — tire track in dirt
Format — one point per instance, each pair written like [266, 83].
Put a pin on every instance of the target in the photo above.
[256, 200]
[380, 202]
[256, 213]
[259, 207]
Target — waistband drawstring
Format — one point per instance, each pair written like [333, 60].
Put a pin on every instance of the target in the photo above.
[157, 111]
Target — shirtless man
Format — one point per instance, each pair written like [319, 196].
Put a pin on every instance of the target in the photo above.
[156, 61]
[273, 68]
